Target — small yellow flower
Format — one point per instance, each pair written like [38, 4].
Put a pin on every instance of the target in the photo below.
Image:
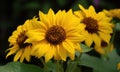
[98, 27]
[104, 48]
[57, 36]
[113, 13]
[118, 66]
[18, 45]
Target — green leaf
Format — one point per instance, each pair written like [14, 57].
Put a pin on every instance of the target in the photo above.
[53, 65]
[114, 59]
[19, 67]
[100, 65]
[118, 26]
[72, 67]
[85, 48]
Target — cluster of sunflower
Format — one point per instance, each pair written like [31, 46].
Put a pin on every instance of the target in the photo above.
[58, 35]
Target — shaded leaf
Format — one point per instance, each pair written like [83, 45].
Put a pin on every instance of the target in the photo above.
[19, 67]
[52, 66]
[85, 48]
[118, 26]
[100, 65]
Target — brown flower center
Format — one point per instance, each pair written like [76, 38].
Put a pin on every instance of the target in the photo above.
[91, 24]
[55, 35]
[21, 39]
[103, 44]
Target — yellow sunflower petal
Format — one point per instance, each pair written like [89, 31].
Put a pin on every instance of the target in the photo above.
[35, 35]
[22, 56]
[44, 19]
[51, 17]
[15, 32]
[49, 54]
[78, 14]
[18, 55]
[89, 40]
[35, 50]
[82, 8]
[77, 47]
[91, 12]
[62, 52]
[43, 48]
[99, 50]
[59, 17]
[27, 25]
[75, 37]
[96, 39]
[75, 29]
[31, 24]
[68, 46]
[27, 53]
[12, 51]
[69, 19]
[72, 56]
[106, 28]
[56, 55]
[42, 26]
[71, 30]
[35, 23]
[12, 39]
[19, 29]
[105, 37]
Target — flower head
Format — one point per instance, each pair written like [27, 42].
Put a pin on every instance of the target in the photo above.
[57, 36]
[113, 13]
[118, 66]
[18, 45]
[98, 27]
[104, 48]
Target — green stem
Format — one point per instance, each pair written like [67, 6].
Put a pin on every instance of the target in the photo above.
[59, 66]
[112, 39]
[62, 66]
[74, 67]
[45, 67]
[76, 63]
[42, 61]
[68, 66]
[105, 56]
[57, 69]
[71, 67]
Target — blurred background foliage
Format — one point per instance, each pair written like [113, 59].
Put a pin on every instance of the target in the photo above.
[15, 12]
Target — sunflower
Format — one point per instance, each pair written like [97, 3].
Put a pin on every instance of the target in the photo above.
[118, 66]
[97, 26]
[113, 13]
[18, 45]
[104, 48]
[57, 36]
